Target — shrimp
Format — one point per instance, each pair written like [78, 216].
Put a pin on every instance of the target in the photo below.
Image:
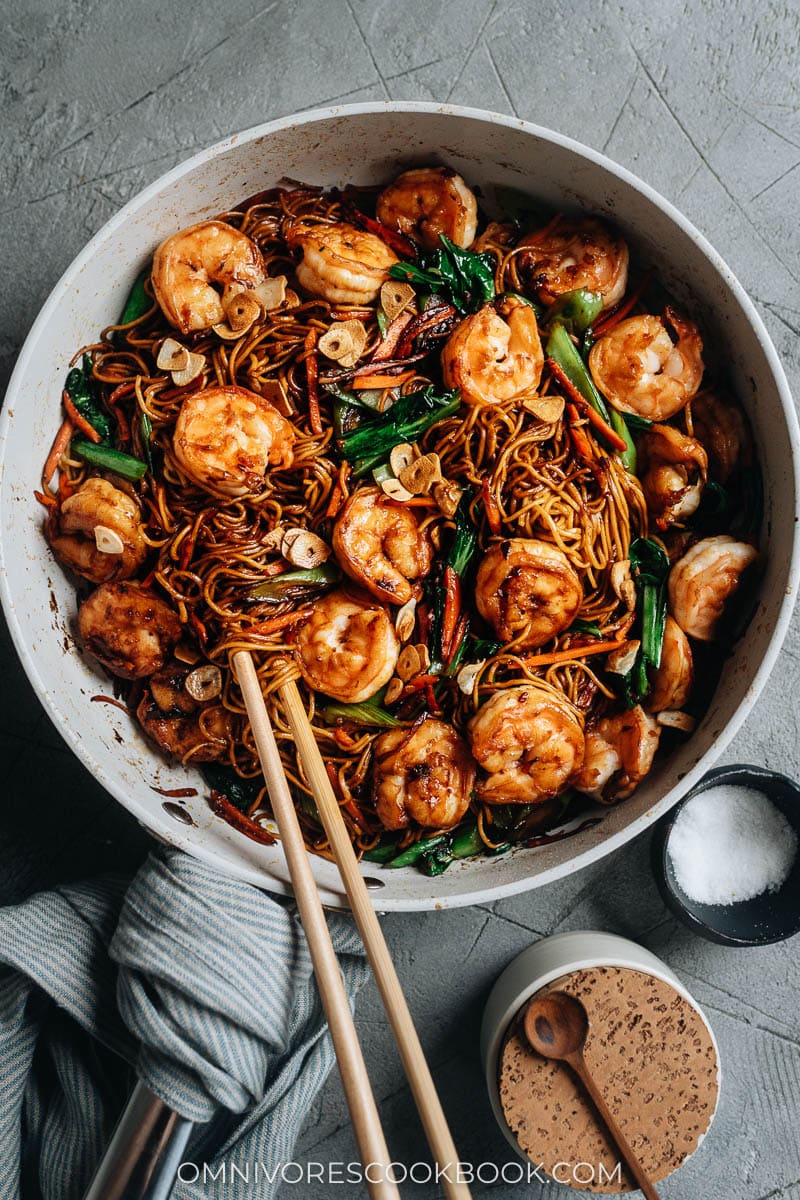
[672, 681]
[342, 264]
[721, 426]
[641, 368]
[529, 741]
[178, 725]
[581, 253]
[226, 437]
[128, 628]
[619, 753]
[187, 266]
[429, 201]
[380, 545]
[98, 532]
[496, 354]
[674, 470]
[347, 649]
[423, 774]
[527, 588]
[701, 583]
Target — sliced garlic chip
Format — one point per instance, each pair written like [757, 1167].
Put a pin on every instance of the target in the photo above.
[468, 675]
[395, 296]
[670, 718]
[193, 368]
[448, 496]
[273, 540]
[302, 548]
[623, 585]
[108, 540]
[408, 663]
[405, 619]
[620, 661]
[172, 356]
[424, 655]
[547, 408]
[394, 690]
[271, 293]
[205, 683]
[242, 311]
[420, 476]
[394, 489]
[344, 342]
[401, 457]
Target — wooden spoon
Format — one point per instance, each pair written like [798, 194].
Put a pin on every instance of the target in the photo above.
[556, 1025]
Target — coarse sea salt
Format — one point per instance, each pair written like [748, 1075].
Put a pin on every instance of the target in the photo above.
[730, 844]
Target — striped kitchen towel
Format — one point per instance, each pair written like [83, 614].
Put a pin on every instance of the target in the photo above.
[201, 983]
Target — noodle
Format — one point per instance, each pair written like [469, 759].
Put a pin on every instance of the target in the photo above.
[209, 552]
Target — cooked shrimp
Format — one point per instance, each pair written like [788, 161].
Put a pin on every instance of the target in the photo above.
[188, 265]
[721, 426]
[527, 587]
[128, 628]
[180, 726]
[674, 468]
[619, 753]
[380, 545]
[226, 437]
[702, 582]
[495, 354]
[347, 649]
[581, 253]
[672, 681]
[340, 263]
[528, 741]
[423, 774]
[428, 201]
[97, 532]
[641, 368]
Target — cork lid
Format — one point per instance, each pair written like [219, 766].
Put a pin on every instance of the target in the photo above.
[652, 1055]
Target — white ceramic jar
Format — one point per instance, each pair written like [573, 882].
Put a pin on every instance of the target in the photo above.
[552, 959]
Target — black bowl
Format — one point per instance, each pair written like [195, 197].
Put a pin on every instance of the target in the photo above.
[770, 917]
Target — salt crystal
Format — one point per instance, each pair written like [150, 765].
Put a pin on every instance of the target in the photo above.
[729, 844]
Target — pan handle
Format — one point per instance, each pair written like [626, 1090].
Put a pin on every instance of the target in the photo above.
[145, 1151]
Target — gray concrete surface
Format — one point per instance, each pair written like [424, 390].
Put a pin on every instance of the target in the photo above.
[99, 97]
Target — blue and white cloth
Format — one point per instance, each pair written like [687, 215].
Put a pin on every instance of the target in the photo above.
[203, 984]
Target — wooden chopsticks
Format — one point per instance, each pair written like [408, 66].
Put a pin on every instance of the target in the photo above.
[364, 1116]
[360, 1099]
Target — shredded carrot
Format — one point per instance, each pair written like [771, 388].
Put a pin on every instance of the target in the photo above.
[57, 449]
[381, 381]
[387, 347]
[312, 377]
[490, 507]
[417, 502]
[452, 608]
[559, 656]
[47, 501]
[78, 420]
[583, 447]
[458, 637]
[124, 389]
[65, 488]
[175, 793]
[335, 501]
[592, 415]
[352, 314]
[222, 807]
[614, 315]
[426, 320]
[343, 740]
[280, 622]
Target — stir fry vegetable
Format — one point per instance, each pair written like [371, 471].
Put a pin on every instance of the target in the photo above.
[82, 394]
[294, 584]
[370, 442]
[650, 568]
[462, 277]
[138, 302]
[108, 459]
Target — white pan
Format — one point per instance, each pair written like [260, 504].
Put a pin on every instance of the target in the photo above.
[363, 144]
